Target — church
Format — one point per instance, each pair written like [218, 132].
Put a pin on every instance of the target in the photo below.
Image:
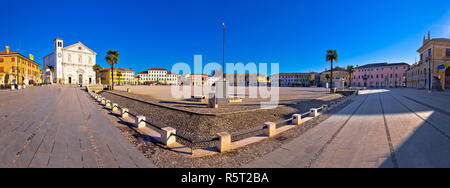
[71, 64]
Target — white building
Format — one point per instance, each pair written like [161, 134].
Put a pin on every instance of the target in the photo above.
[158, 75]
[72, 64]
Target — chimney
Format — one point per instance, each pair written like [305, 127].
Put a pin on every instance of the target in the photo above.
[7, 49]
[429, 35]
[31, 57]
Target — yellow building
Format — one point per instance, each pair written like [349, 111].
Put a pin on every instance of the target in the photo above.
[121, 76]
[14, 66]
[432, 70]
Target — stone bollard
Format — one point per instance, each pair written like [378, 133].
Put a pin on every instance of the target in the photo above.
[166, 136]
[313, 112]
[128, 90]
[140, 122]
[108, 104]
[114, 107]
[124, 112]
[270, 130]
[103, 101]
[224, 143]
[99, 98]
[297, 119]
[13, 88]
[324, 108]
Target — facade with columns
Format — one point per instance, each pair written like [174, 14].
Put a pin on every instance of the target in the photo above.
[432, 70]
[72, 64]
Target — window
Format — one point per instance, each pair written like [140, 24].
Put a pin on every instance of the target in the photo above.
[429, 52]
[447, 52]
[2, 70]
[1, 60]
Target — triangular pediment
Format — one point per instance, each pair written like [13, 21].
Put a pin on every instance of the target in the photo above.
[79, 47]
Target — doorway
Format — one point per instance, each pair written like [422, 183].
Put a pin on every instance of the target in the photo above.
[70, 80]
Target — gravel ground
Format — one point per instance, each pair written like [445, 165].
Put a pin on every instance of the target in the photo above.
[198, 127]
[162, 157]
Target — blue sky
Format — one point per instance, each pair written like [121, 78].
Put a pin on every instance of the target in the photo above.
[293, 33]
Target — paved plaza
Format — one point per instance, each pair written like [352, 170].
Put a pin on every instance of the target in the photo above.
[60, 127]
[381, 128]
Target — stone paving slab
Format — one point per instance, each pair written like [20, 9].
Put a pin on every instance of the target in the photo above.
[61, 127]
[300, 151]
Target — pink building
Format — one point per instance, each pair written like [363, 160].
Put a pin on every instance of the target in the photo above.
[380, 75]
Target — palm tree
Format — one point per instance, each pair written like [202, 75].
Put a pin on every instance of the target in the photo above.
[96, 69]
[331, 55]
[112, 58]
[350, 70]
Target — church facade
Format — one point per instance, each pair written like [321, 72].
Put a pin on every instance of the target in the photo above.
[72, 64]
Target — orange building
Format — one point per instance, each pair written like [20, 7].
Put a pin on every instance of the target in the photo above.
[18, 69]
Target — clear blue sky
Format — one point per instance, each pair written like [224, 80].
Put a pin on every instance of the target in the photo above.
[294, 33]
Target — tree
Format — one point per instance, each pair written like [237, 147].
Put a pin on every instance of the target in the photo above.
[139, 78]
[112, 58]
[350, 70]
[96, 69]
[52, 70]
[331, 56]
[327, 76]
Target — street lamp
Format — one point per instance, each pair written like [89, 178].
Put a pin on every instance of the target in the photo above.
[223, 58]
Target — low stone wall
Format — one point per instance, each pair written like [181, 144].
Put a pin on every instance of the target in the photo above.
[169, 137]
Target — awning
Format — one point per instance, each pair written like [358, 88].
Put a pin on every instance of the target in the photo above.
[443, 66]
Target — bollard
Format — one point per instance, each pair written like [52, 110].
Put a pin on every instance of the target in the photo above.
[313, 112]
[271, 127]
[108, 104]
[124, 112]
[324, 108]
[224, 143]
[114, 107]
[103, 101]
[99, 98]
[297, 119]
[128, 90]
[166, 136]
[140, 122]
